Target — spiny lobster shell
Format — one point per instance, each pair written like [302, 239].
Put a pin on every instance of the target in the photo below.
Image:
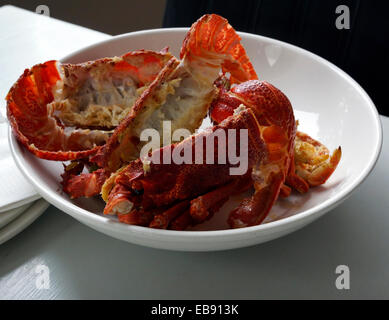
[39, 128]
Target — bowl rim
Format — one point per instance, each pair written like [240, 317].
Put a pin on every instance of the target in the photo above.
[105, 222]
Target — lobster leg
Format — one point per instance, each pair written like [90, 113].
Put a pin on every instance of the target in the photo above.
[186, 220]
[138, 217]
[200, 209]
[120, 201]
[254, 210]
[85, 184]
[203, 207]
[285, 191]
[182, 222]
[162, 221]
[295, 181]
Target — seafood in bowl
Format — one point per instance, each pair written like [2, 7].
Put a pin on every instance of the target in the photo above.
[94, 114]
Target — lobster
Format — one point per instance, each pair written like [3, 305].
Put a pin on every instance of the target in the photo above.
[67, 111]
[198, 190]
[311, 165]
[94, 114]
[181, 93]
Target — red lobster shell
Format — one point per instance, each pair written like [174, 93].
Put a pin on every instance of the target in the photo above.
[57, 110]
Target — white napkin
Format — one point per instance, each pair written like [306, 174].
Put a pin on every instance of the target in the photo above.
[28, 38]
[15, 191]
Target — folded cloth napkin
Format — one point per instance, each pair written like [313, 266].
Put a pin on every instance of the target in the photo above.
[15, 191]
[8, 216]
[27, 217]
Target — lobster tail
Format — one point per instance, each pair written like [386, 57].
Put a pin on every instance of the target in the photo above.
[65, 111]
[31, 122]
[27, 99]
[212, 40]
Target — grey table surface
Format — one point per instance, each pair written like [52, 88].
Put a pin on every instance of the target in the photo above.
[84, 264]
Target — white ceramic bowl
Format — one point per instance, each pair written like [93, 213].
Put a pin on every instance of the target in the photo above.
[329, 104]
